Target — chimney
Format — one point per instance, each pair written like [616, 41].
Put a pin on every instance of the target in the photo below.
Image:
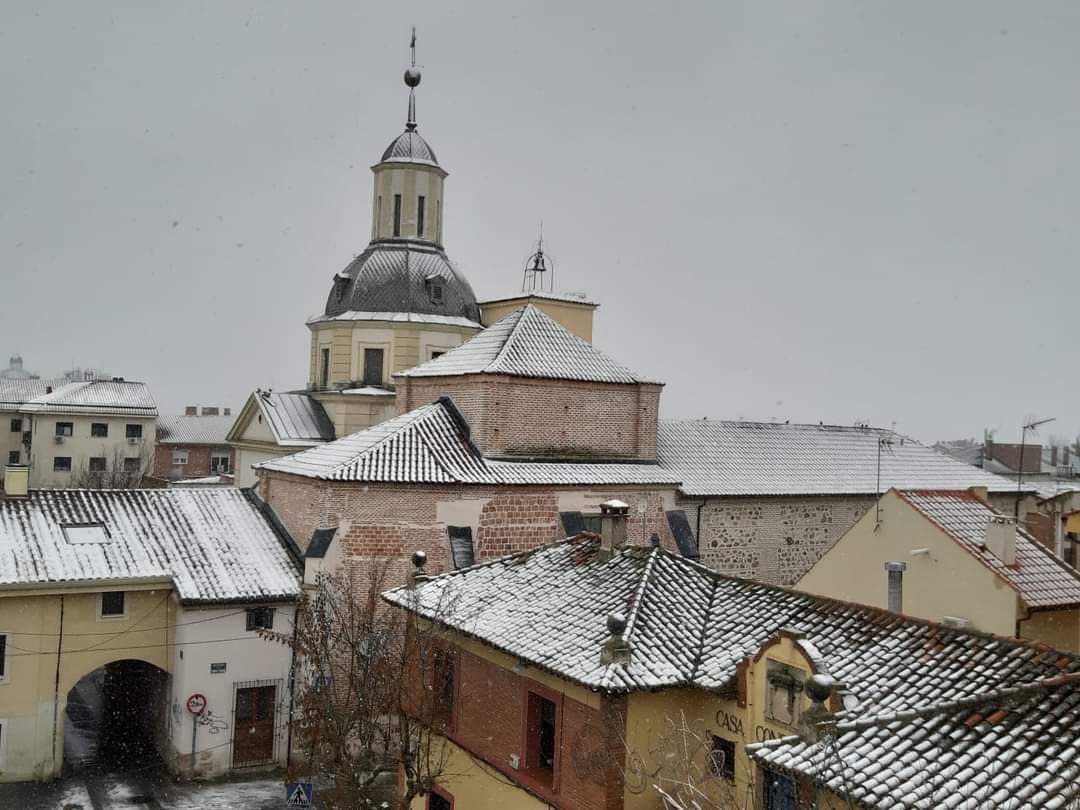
[418, 577]
[16, 481]
[612, 527]
[1001, 538]
[210, 411]
[616, 649]
[48, 389]
[227, 412]
[191, 410]
[817, 720]
[896, 585]
[1053, 456]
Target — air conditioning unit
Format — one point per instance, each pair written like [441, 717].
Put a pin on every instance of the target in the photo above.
[58, 439]
[133, 440]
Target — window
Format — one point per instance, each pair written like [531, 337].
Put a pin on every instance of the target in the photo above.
[540, 736]
[781, 793]
[134, 431]
[219, 461]
[420, 215]
[131, 465]
[373, 366]
[435, 291]
[444, 688]
[80, 533]
[461, 545]
[324, 368]
[397, 215]
[437, 353]
[64, 428]
[3, 656]
[16, 425]
[99, 430]
[783, 693]
[179, 457]
[61, 464]
[438, 220]
[440, 800]
[13, 457]
[260, 618]
[895, 586]
[113, 604]
[721, 762]
[97, 464]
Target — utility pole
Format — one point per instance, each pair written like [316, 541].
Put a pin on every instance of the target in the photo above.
[1033, 426]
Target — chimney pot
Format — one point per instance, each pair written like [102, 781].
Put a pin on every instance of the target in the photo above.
[615, 650]
[613, 515]
[1001, 538]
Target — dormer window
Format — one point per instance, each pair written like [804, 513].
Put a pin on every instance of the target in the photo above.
[783, 693]
[434, 289]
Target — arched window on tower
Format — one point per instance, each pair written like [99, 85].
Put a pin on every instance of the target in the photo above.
[438, 220]
[420, 216]
[397, 215]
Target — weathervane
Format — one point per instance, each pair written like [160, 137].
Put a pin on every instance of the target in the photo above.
[536, 267]
[412, 79]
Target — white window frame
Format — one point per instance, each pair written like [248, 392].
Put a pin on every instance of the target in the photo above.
[112, 617]
[180, 453]
[386, 370]
[224, 456]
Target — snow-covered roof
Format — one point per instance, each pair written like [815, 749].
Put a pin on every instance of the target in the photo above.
[214, 544]
[295, 418]
[431, 445]
[111, 397]
[1010, 748]
[766, 458]
[1038, 577]
[194, 429]
[526, 343]
[690, 626]
[397, 317]
[567, 297]
[14, 393]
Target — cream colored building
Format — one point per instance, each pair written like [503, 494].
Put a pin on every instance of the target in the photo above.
[950, 557]
[165, 591]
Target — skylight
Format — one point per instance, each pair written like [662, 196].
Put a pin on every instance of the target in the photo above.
[79, 534]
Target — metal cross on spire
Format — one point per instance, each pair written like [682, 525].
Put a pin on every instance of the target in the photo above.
[412, 79]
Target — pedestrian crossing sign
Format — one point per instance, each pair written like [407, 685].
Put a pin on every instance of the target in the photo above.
[298, 794]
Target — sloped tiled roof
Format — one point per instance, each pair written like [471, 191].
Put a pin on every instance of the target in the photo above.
[1011, 749]
[16, 393]
[295, 418]
[765, 458]
[214, 543]
[194, 429]
[118, 397]
[526, 343]
[430, 445]
[1039, 577]
[689, 626]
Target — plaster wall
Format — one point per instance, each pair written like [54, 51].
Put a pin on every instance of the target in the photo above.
[577, 318]
[410, 180]
[80, 447]
[11, 440]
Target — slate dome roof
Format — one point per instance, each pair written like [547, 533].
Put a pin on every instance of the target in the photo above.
[378, 281]
[409, 147]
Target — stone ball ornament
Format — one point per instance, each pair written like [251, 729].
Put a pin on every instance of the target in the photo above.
[819, 687]
[412, 77]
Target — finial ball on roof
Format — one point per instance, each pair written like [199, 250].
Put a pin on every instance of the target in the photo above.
[819, 687]
[419, 559]
[616, 624]
[412, 76]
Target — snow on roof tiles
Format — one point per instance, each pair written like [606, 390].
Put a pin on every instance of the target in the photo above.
[96, 396]
[295, 418]
[214, 544]
[689, 626]
[16, 393]
[194, 429]
[1039, 577]
[766, 458]
[430, 445]
[1014, 748]
[526, 343]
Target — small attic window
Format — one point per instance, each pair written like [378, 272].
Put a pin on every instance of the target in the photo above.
[434, 289]
[81, 534]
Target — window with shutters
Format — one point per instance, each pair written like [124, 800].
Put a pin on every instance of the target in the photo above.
[461, 545]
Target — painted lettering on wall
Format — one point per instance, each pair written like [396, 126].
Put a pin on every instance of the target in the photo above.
[763, 733]
[731, 722]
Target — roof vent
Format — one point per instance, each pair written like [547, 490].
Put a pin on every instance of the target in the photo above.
[616, 649]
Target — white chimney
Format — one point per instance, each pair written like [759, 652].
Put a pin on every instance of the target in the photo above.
[612, 526]
[1001, 538]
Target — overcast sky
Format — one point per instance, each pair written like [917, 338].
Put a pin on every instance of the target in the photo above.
[808, 211]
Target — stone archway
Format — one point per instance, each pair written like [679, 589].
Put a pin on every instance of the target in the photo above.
[116, 717]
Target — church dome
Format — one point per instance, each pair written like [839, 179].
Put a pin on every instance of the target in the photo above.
[15, 370]
[409, 147]
[402, 277]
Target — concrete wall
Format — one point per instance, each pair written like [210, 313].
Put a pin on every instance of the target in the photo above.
[34, 692]
[948, 581]
[81, 446]
[218, 635]
[546, 418]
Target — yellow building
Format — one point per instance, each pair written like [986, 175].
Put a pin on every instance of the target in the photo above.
[592, 674]
[118, 606]
[948, 556]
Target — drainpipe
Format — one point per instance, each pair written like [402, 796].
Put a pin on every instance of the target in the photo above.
[292, 687]
[56, 685]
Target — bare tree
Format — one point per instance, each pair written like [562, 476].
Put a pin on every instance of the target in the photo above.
[375, 691]
[118, 472]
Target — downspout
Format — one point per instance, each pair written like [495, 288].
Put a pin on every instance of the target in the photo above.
[292, 687]
[56, 685]
[1021, 619]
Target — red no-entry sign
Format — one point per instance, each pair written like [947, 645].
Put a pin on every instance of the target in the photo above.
[196, 704]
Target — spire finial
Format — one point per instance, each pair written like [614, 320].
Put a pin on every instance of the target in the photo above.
[412, 79]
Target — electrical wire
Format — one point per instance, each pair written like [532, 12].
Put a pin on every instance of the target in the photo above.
[25, 653]
[145, 629]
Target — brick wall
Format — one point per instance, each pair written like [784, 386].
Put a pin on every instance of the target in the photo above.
[490, 723]
[553, 418]
[198, 465]
[772, 539]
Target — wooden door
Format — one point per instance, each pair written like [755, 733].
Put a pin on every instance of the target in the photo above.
[253, 735]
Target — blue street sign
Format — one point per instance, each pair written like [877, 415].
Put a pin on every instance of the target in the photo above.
[298, 794]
